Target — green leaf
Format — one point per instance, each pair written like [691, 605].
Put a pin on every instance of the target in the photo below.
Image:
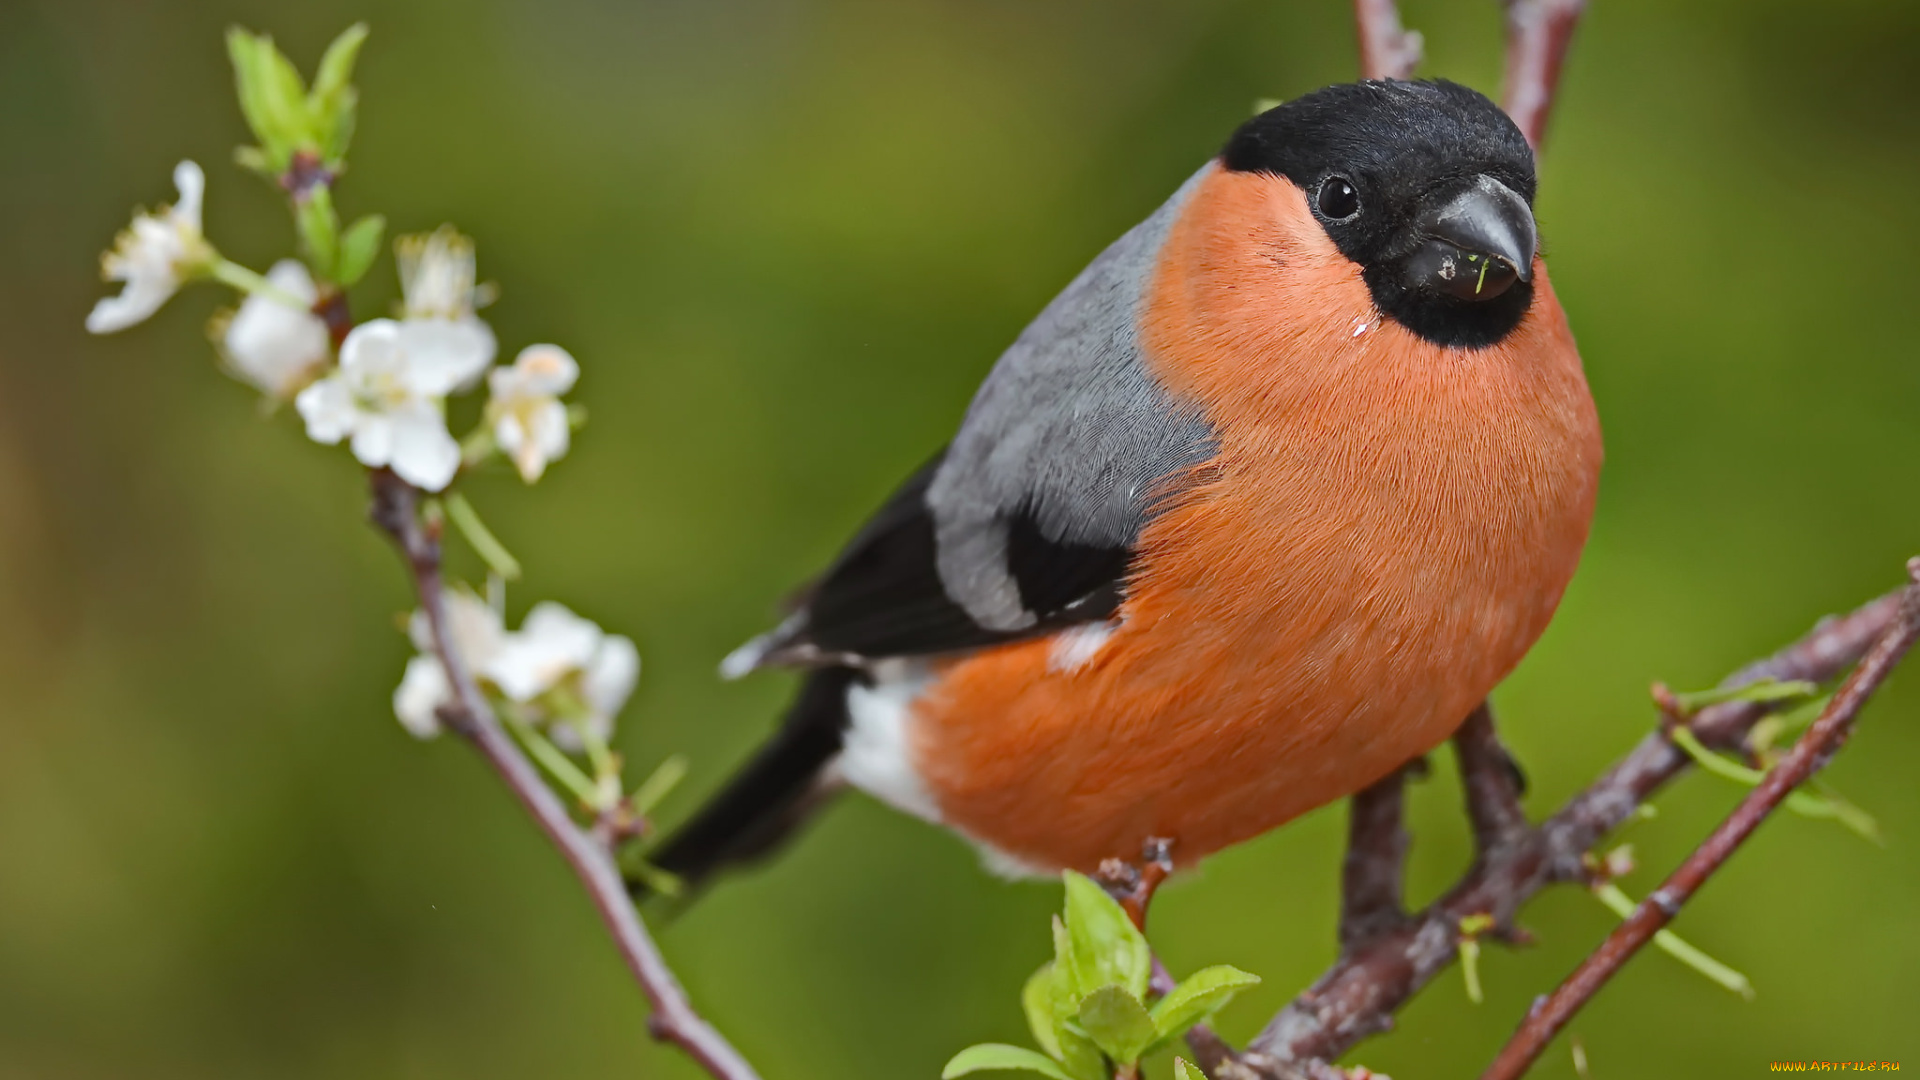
[243, 51]
[319, 230]
[1187, 1070]
[1063, 958]
[271, 97]
[359, 247]
[1117, 1023]
[1001, 1056]
[1107, 947]
[1079, 1056]
[335, 72]
[1077, 1052]
[1759, 691]
[1036, 999]
[1198, 996]
[284, 95]
[338, 135]
[333, 102]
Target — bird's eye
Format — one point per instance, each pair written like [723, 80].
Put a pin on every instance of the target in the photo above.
[1338, 201]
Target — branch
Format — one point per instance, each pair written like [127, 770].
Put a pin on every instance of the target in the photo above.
[395, 511]
[1538, 34]
[1815, 748]
[1359, 994]
[1388, 50]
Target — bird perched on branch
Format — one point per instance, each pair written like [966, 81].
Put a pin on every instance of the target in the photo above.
[1258, 509]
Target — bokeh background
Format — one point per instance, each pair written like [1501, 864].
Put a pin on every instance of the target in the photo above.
[786, 239]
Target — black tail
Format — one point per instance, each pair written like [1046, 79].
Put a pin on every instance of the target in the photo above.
[767, 801]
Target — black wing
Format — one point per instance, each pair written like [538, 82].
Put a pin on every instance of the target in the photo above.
[884, 595]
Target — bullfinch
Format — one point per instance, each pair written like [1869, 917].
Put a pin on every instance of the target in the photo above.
[1257, 510]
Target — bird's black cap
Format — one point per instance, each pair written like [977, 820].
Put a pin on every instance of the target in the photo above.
[1380, 162]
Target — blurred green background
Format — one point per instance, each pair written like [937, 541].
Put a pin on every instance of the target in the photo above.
[786, 239]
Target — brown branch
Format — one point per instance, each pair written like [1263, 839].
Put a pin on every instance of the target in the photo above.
[1388, 50]
[1359, 994]
[1538, 34]
[396, 511]
[1814, 749]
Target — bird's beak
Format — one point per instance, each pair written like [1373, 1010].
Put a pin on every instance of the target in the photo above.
[1478, 243]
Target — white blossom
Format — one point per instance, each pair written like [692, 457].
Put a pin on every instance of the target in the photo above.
[560, 670]
[529, 422]
[437, 289]
[272, 344]
[417, 700]
[386, 394]
[477, 634]
[593, 671]
[153, 256]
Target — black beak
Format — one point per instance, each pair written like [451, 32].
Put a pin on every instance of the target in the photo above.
[1479, 243]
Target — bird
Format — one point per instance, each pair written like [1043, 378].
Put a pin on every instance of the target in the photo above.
[1260, 508]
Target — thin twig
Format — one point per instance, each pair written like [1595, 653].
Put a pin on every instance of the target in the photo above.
[1358, 995]
[396, 511]
[1388, 50]
[1814, 749]
[1538, 34]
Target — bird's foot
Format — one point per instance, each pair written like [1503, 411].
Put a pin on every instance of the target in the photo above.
[1493, 783]
[1133, 884]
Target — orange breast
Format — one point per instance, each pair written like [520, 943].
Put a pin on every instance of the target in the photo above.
[1386, 530]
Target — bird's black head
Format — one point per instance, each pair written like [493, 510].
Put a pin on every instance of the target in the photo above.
[1428, 186]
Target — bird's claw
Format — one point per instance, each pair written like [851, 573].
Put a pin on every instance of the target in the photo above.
[1133, 884]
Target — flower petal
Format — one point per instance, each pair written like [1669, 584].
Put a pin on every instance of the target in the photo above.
[523, 670]
[542, 440]
[422, 451]
[422, 690]
[290, 276]
[142, 297]
[272, 345]
[476, 627]
[420, 630]
[328, 408]
[550, 645]
[372, 347]
[561, 630]
[510, 433]
[193, 186]
[373, 438]
[436, 274]
[548, 370]
[549, 429]
[609, 680]
[444, 356]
